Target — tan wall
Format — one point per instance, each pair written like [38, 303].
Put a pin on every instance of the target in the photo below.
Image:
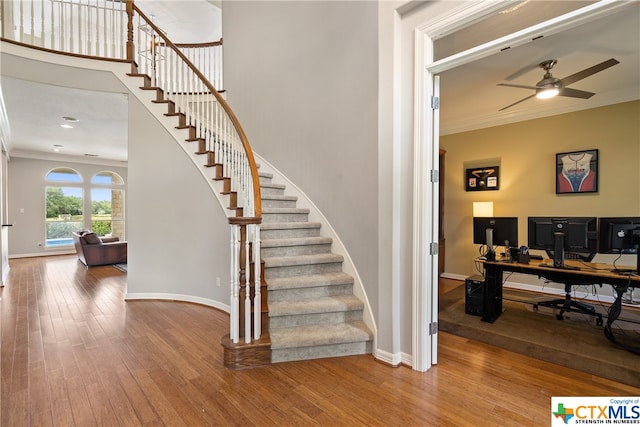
[525, 152]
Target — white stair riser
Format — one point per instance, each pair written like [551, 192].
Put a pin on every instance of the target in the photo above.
[271, 190]
[275, 203]
[289, 233]
[330, 318]
[295, 250]
[284, 217]
[301, 270]
[308, 293]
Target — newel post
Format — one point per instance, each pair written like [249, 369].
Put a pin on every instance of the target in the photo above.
[245, 249]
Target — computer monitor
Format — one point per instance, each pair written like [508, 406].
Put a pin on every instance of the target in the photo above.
[620, 235]
[496, 231]
[564, 237]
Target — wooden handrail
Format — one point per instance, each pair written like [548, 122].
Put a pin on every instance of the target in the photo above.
[199, 45]
[58, 52]
[236, 123]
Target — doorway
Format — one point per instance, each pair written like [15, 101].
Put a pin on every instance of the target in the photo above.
[429, 68]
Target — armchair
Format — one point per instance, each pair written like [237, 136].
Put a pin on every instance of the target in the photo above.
[93, 250]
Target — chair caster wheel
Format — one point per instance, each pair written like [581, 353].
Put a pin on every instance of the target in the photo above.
[599, 321]
[559, 317]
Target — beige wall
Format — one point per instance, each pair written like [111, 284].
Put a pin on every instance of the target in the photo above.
[525, 152]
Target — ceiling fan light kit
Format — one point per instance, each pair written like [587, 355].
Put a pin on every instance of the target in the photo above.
[546, 93]
[551, 86]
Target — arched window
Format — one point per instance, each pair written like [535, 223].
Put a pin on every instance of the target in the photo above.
[107, 204]
[64, 206]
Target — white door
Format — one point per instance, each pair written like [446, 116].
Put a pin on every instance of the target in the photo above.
[435, 211]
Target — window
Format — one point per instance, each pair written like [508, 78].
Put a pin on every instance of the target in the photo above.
[64, 206]
[107, 204]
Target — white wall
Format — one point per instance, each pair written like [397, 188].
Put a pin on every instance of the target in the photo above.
[178, 232]
[302, 78]
[397, 23]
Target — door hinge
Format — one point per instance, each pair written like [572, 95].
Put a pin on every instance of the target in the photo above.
[433, 248]
[433, 328]
[435, 102]
[435, 176]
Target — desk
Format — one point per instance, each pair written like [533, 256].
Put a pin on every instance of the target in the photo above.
[585, 274]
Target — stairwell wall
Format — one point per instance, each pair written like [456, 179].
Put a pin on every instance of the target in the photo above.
[178, 232]
[302, 78]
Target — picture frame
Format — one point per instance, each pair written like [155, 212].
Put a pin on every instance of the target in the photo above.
[577, 172]
[483, 178]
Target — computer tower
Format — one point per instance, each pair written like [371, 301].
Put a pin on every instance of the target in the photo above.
[473, 286]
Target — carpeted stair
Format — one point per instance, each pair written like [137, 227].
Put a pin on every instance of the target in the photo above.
[312, 310]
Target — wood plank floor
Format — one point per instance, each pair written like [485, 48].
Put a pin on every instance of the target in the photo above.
[74, 353]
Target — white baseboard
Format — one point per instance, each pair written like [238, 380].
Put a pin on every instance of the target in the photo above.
[177, 297]
[393, 359]
[47, 253]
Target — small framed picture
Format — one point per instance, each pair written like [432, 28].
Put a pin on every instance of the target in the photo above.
[482, 179]
[577, 172]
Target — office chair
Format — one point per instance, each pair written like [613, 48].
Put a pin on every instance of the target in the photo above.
[567, 304]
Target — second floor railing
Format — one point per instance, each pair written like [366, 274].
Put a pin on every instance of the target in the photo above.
[119, 30]
[96, 28]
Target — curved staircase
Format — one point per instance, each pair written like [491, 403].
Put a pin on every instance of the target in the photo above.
[313, 312]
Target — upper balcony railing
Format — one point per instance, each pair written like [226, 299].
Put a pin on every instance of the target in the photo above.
[189, 76]
[95, 28]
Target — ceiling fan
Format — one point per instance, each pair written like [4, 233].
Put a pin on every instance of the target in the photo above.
[551, 86]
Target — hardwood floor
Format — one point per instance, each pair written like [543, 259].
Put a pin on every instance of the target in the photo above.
[74, 353]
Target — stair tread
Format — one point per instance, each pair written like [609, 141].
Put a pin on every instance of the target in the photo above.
[307, 336]
[288, 225]
[296, 241]
[310, 281]
[282, 261]
[333, 304]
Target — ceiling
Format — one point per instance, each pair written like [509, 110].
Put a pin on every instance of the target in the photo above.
[470, 96]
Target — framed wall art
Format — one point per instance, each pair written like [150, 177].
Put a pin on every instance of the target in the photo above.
[577, 172]
[482, 179]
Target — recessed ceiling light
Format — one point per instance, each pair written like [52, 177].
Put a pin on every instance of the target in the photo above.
[91, 155]
[66, 126]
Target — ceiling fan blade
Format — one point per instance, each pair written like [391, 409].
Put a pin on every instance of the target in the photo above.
[588, 72]
[519, 86]
[517, 102]
[575, 93]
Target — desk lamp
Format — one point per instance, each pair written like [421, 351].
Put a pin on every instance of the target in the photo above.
[485, 209]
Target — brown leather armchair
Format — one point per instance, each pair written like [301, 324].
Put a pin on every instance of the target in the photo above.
[93, 250]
